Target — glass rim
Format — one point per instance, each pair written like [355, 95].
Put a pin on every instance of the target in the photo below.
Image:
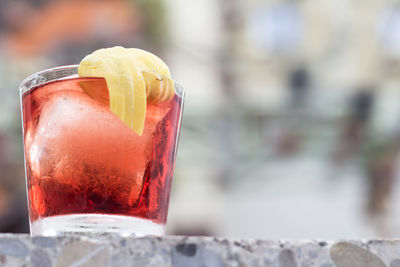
[62, 73]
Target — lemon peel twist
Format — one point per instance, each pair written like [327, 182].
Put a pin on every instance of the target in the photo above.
[133, 76]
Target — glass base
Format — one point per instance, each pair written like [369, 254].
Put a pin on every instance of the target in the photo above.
[95, 223]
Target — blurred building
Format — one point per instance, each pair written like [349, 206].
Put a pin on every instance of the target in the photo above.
[291, 117]
[251, 163]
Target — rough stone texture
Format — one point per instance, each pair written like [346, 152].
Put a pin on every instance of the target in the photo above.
[112, 250]
[346, 254]
[40, 258]
[44, 241]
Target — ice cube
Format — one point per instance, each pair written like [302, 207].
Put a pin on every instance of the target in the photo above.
[81, 143]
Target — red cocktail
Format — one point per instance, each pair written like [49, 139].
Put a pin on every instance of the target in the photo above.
[87, 170]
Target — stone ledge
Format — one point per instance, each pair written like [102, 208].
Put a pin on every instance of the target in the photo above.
[111, 250]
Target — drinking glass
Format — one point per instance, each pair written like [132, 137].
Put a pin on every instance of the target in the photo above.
[86, 171]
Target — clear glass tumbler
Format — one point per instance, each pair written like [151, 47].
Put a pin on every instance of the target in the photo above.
[86, 171]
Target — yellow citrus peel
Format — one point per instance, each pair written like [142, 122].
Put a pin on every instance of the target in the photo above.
[133, 76]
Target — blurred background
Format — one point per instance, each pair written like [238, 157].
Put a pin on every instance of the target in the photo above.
[291, 126]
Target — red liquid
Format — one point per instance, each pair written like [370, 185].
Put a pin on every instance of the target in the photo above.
[81, 158]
